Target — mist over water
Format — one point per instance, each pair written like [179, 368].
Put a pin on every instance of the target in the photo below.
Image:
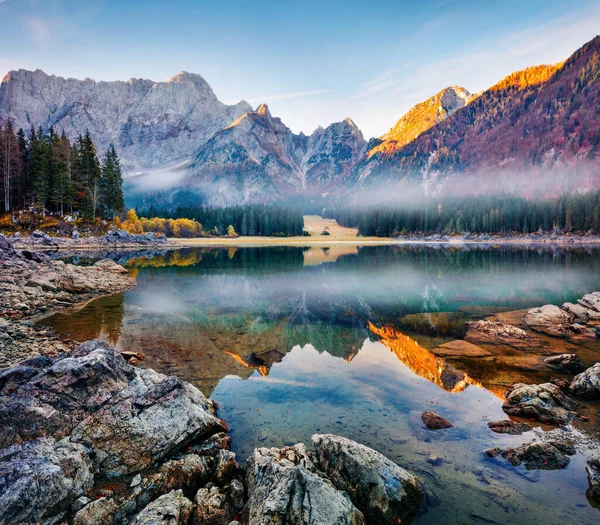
[290, 347]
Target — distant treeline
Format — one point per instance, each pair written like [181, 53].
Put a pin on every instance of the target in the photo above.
[257, 219]
[499, 214]
[43, 170]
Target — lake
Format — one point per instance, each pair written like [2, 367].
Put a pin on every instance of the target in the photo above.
[291, 341]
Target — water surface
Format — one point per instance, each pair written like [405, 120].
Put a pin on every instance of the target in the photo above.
[291, 341]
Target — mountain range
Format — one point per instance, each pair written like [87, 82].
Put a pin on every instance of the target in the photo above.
[537, 129]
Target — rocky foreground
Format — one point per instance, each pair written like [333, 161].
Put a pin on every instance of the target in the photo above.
[31, 284]
[87, 438]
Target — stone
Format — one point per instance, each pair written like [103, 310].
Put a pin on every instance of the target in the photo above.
[587, 384]
[41, 479]
[497, 333]
[218, 506]
[591, 301]
[133, 418]
[99, 512]
[169, 509]
[543, 455]
[593, 473]
[434, 422]
[284, 486]
[545, 403]
[492, 452]
[555, 321]
[137, 479]
[565, 362]
[384, 492]
[506, 426]
[580, 313]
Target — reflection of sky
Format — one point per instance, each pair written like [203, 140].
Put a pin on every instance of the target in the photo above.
[377, 400]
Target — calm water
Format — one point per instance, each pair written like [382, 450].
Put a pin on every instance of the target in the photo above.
[293, 341]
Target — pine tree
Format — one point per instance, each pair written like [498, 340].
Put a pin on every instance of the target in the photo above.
[112, 185]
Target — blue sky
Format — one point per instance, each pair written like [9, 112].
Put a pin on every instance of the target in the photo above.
[313, 62]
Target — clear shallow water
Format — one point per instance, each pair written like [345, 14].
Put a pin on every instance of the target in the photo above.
[291, 342]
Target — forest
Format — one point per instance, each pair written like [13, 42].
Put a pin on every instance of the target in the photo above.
[495, 215]
[267, 220]
[43, 171]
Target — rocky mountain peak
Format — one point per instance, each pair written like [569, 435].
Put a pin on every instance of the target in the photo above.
[350, 122]
[263, 111]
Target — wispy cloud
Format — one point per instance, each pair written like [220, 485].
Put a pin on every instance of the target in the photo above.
[39, 29]
[284, 96]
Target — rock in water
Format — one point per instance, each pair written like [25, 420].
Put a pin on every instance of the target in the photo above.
[593, 472]
[284, 486]
[555, 321]
[544, 403]
[497, 333]
[587, 384]
[506, 426]
[434, 422]
[383, 491]
[545, 455]
[567, 362]
[170, 509]
[41, 479]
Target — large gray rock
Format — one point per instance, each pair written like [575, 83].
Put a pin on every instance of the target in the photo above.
[544, 403]
[555, 321]
[587, 384]
[383, 491]
[131, 418]
[42, 478]
[218, 506]
[170, 509]
[99, 512]
[284, 486]
[591, 301]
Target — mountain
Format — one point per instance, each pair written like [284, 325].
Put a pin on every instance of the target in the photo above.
[421, 118]
[258, 158]
[152, 124]
[536, 130]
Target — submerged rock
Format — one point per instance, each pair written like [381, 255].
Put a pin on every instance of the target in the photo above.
[383, 491]
[506, 426]
[587, 384]
[544, 403]
[544, 455]
[593, 473]
[284, 486]
[434, 422]
[566, 362]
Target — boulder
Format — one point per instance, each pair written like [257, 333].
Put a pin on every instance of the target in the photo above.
[6, 248]
[497, 333]
[587, 384]
[591, 301]
[580, 313]
[506, 426]
[593, 473]
[435, 422]
[544, 455]
[384, 492]
[132, 418]
[569, 363]
[170, 509]
[460, 348]
[41, 479]
[284, 486]
[544, 403]
[555, 321]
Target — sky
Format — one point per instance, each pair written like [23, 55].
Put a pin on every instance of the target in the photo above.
[313, 62]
